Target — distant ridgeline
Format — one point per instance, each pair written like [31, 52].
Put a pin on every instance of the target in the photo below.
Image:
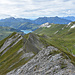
[24, 24]
[12, 24]
[72, 18]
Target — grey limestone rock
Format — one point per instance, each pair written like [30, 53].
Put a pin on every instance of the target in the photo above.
[45, 63]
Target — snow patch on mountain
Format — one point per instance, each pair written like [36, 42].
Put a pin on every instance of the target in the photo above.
[69, 23]
[73, 26]
[56, 32]
[46, 25]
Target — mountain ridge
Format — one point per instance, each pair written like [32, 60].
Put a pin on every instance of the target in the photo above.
[43, 52]
[17, 22]
[72, 18]
[60, 33]
[33, 55]
[55, 20]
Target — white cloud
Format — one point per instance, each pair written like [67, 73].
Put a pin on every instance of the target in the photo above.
[36, 8]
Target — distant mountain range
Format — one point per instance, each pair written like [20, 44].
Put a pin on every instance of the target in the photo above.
[18, 23]
[55, 20]
[72, 18]
[22, 23]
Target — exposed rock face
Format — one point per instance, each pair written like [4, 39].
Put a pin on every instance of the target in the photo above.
[10, 41]
[48, 61]
[38, 59]
[16, 50]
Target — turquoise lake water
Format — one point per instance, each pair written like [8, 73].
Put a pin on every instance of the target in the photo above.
[26, 31]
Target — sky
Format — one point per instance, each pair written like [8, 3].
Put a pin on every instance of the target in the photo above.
[32, 9]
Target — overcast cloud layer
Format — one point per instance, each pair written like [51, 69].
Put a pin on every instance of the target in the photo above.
[36, 8]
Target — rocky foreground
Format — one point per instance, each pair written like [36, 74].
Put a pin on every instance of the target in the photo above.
[49, 61]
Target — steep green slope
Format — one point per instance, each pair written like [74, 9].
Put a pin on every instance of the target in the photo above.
[62, 36]
[9, 55]
[16, 50]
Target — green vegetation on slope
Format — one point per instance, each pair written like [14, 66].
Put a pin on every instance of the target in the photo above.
[2, 41]
[6, 31]
[60, 36]
[63, 40]
[13, 57]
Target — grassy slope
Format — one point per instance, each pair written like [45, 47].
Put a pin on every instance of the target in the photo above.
[12, 59]
[64, 39]
[6, 31]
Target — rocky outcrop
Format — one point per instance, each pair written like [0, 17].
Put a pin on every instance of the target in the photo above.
[10, 43]
[32, 55]
[16, 50]
[49, 61]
